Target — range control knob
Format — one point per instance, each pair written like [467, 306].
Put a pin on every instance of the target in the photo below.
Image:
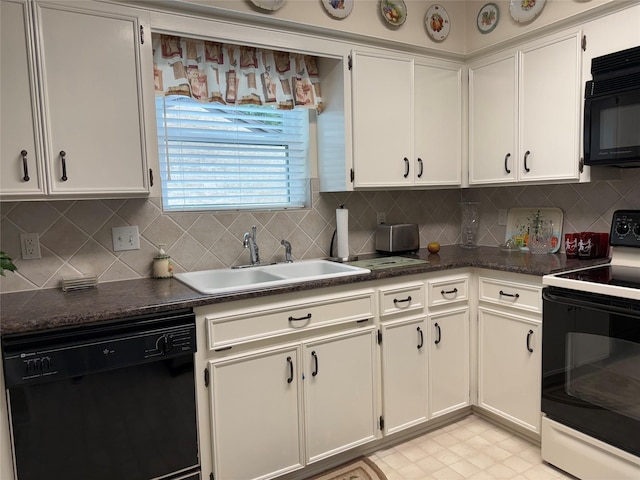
[164, 344]
[636, 230]
[622, 228]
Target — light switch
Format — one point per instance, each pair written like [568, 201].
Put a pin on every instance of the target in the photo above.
[125, 238]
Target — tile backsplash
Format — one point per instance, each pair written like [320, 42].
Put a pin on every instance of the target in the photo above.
[75, 236]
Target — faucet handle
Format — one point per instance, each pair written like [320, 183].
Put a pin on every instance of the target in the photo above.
[253, 231]
[287, 251]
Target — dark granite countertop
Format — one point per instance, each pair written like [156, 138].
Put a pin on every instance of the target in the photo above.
[43, 309]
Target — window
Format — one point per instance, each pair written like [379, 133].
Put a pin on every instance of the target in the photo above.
[219, 157]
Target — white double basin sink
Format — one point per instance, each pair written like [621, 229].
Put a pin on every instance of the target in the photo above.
[231, 280]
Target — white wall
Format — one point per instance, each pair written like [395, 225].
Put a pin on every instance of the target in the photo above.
[365, 20]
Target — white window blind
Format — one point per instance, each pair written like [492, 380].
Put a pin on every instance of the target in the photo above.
[218, 157]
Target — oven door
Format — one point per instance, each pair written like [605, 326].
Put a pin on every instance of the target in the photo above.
[591, 365]
[611, 133]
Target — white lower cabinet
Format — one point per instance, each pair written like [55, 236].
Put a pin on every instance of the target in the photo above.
[404, 374]
[448, 361]
[509, 366]
[289, 380]
[255, 402]
[340, 388]
[258, 411]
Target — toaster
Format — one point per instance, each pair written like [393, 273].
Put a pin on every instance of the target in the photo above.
[399, 237]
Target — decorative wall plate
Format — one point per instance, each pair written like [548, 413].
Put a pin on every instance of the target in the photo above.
[524, 11]
[437, 22]
[268, 4]
[519, 218]
[338, 8]
[488, 17]
[394, 11]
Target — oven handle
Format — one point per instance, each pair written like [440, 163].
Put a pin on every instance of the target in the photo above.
[594, 305]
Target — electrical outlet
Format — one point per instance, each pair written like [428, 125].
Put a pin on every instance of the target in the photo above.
[502, 217]
[381, 217]
[125, 238]
[30, 246]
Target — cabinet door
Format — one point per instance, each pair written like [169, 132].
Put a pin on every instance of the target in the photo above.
[448, 361]
[340, 389]
[493, 97]
[255, 408]
[20, 174]
[437, 125]
[509, 366]
[550, 104]
[382, 120]
[404, 374]
[92, 99]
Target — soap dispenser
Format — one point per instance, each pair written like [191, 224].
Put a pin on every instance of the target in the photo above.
[162, 267]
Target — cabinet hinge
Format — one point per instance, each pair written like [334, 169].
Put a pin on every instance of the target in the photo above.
[352, 175]
[379, 337]
[141, 35]
[206, 377]
[584, 43]
[350, 62]
[381, 422]
[151, 177]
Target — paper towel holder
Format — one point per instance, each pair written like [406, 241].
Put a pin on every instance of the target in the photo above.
[350, 258]
[332, 257]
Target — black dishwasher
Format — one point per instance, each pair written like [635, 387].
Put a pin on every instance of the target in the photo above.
[108, 401]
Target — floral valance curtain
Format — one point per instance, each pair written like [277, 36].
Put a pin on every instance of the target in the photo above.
[234, 75]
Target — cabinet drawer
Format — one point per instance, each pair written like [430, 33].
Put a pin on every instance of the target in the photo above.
[281, 318]
[446, 290]
[401, 298]
[512, 294]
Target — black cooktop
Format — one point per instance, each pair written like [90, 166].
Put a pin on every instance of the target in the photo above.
[617, 275]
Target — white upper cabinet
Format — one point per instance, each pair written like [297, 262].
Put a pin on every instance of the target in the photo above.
[89, 85]
[437, 124]
[382, 120]
[524, 113]
[406, 122]
[21, 171]
[493, 120]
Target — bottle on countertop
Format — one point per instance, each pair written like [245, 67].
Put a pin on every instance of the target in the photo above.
[162, 267]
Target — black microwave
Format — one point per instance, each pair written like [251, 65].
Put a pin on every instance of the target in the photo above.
[612, 110]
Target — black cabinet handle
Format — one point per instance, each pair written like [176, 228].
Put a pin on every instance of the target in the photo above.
[406, 167]
[315, 358]
[396, 301]
[514, 295]
[448, 292]
[63, 155]
[421, 167]
[290, 362]
[25, 167]
[439, 339]
[528, 340]
[294, 319]
[526, 154]
[421, 344]
[506, 158]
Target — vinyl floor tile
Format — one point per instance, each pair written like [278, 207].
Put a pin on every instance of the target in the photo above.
[470, 449]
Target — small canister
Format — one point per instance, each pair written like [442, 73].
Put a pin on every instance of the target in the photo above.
[162, 264]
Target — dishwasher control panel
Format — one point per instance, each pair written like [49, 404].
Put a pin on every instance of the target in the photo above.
[55, 355]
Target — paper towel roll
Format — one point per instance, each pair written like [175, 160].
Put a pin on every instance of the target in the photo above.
[342, 229]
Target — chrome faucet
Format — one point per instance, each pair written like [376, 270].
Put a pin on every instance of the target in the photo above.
[287, 251]
[250, 243]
